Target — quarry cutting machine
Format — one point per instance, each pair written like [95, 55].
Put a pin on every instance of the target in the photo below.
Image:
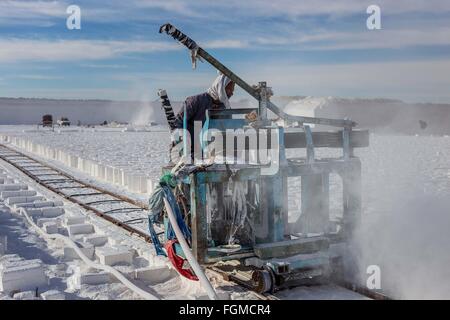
[236, 215]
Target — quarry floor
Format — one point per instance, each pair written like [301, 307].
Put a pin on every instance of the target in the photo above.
[406, 215]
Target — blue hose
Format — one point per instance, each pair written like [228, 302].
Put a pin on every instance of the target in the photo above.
[156, 204]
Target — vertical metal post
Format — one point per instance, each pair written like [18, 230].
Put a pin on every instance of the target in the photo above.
[263, 100]
[271, 210]
[315, 203]
[281, 146]
[348, 150]
[198, 219]
[351, 180]
[309, 145]
[285, 199]
[284, 179]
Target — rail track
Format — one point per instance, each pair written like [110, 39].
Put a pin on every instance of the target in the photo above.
[126, 213]
[122, 211]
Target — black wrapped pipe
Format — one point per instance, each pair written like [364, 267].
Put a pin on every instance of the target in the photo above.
[168, 110]
[178, 35]
[191, 45]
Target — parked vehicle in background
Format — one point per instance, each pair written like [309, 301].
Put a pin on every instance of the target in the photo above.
[47, 120]
[63, 122]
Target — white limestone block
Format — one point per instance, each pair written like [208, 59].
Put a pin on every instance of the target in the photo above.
[19, 274]
[50, 227]
[114, 255]
[53, 295]
[96, 240]
[3, 244]
[40, 221]
[16, 200]
[82, 228]
[21, 193]
[155, 274]
[80, 278]
[25, 295]
[39, 204]
[13, 187]
[70, 220]
[86, 248]
[52, 212]
[32, 212]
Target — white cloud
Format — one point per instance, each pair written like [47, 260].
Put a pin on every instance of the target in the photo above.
[409, 81]
[290, 8]
[413, 81]
[342, 7]
[23, 11]
[104, 66]
[391, 39]
[69, 93]
[188, 79]
[31, 13]
[224, 44]
[38, 77]
[13, 50]
[31, 9]
[184, 8]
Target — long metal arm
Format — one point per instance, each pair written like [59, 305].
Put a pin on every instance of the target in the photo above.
[192, 45]
[230, 74]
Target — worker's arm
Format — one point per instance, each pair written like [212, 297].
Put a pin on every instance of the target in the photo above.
[189, 106]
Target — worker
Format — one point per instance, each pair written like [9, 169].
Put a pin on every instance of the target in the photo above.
[216, 97]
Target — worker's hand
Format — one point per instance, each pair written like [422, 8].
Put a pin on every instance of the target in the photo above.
[252, 116]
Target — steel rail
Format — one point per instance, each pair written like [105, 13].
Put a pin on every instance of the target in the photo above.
[73, 198]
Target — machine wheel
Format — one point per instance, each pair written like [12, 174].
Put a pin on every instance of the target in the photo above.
[264, 280]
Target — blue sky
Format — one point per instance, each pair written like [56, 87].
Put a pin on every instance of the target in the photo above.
[313, 48]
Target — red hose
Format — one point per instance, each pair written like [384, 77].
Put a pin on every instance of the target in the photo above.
[177, 261]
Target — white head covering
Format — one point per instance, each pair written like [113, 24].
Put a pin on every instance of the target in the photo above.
[217, 89]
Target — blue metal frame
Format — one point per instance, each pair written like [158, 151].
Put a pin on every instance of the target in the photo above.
[273, 190]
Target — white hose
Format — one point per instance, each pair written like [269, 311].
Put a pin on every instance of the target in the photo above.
[190, 257]
[144, 294]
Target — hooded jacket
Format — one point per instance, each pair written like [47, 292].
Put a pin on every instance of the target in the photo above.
[195, 106]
